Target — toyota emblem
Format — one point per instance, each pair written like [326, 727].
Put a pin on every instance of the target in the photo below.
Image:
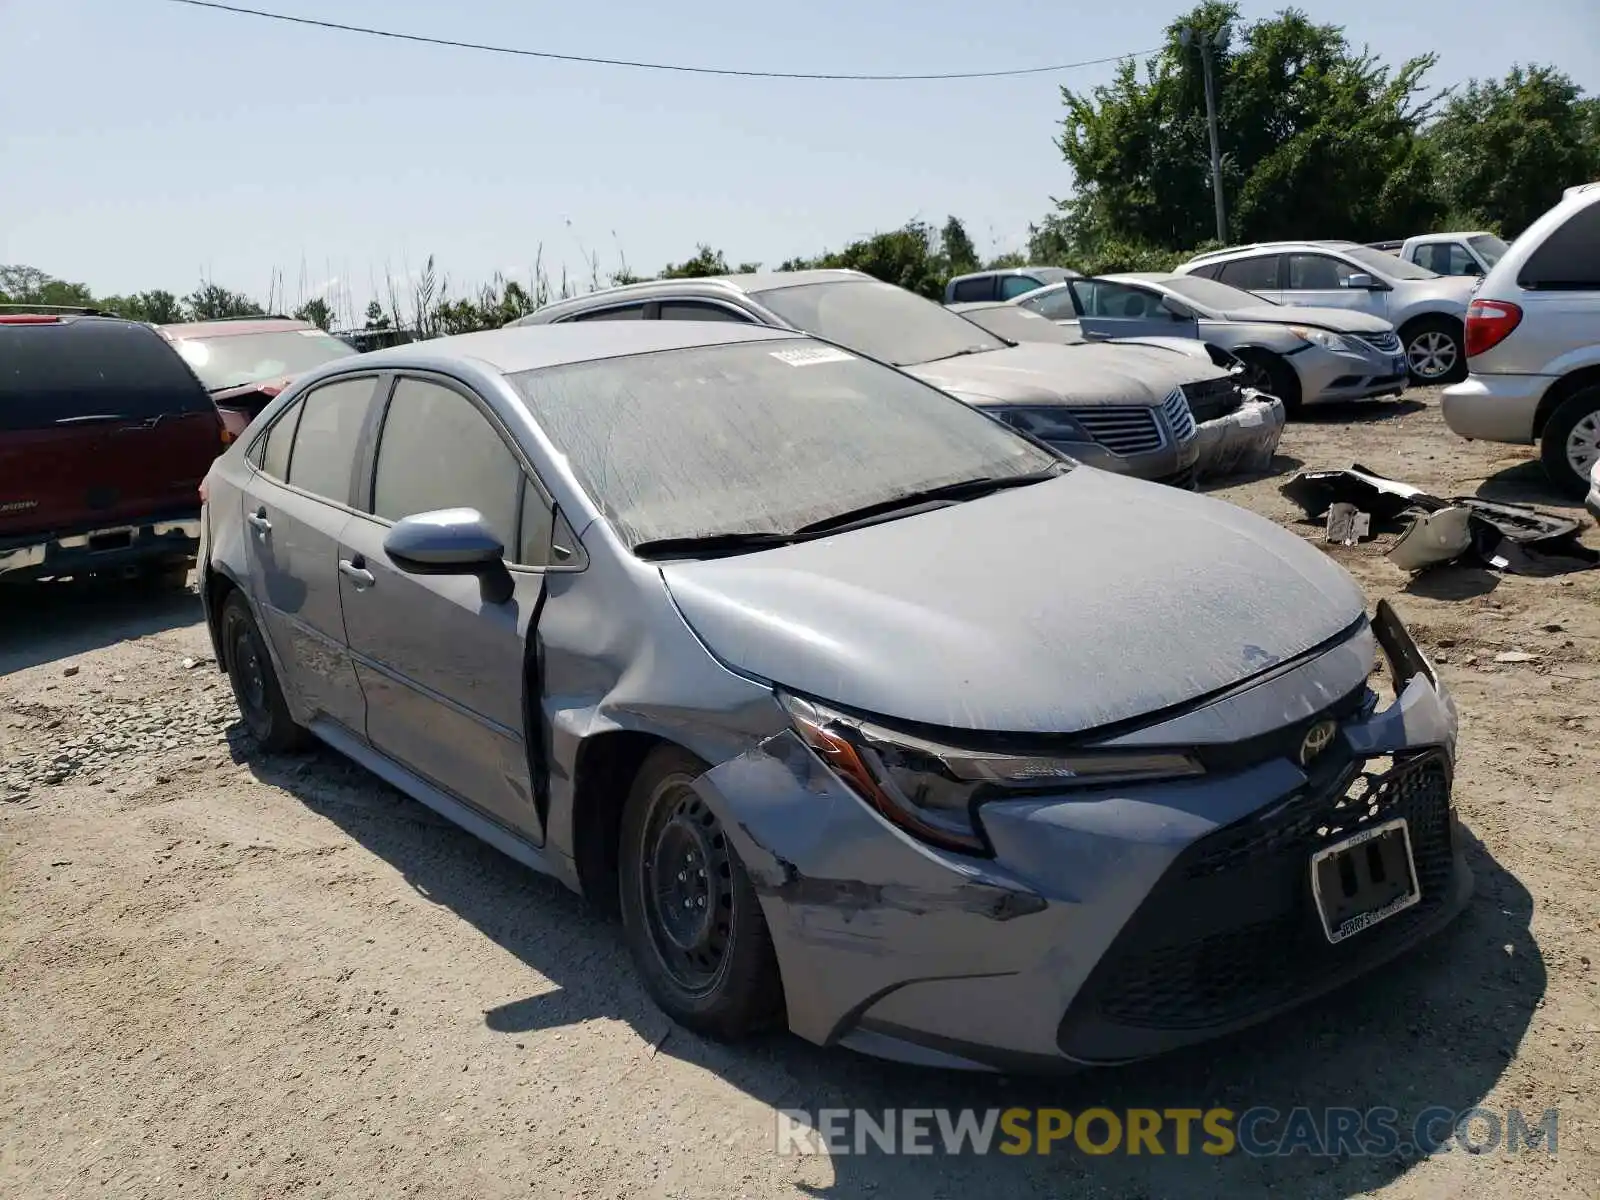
[1318, 738]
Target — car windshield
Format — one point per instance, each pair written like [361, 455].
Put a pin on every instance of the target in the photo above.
[1490, 248]
[1386, 265]
[229, 360]
[879, 320]
[761, 437]
[1208, 294]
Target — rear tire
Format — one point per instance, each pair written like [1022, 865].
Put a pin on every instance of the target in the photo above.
[689, 912]
[1436, 350]
[1267, 372]
[1571, 441]
[255, 683]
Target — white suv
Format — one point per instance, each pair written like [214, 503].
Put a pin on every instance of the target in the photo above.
[1427, 309]
[1533, 341]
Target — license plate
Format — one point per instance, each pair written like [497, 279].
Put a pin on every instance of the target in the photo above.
[1399, 364]
[1364, 879]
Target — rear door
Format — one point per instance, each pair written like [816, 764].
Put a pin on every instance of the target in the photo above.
[1258, 273]
[101, 423]
[443, 669]
[295, 507]
[1113, 310]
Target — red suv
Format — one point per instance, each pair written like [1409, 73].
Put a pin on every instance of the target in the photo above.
[105, 435]
[245, 361]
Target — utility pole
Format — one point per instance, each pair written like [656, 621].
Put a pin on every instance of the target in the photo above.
[1206, 41]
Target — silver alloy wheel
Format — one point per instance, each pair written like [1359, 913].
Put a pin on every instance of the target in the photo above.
[1431, 354]
[1583, 444]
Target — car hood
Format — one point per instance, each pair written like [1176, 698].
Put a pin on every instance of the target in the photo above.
[1082, 376]
[1339, 320]
[1061, 607]
[1188, 347]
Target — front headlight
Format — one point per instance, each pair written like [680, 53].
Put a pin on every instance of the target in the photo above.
[933, 790]
[1321, 337]
[1046, 424]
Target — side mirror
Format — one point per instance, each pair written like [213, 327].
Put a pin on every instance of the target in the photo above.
[1361, 281]
[451, 541]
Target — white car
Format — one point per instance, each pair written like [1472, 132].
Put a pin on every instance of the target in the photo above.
[1429, 310]
[1533, 334]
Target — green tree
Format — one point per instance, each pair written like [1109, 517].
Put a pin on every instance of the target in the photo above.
[1317, 140]
[910, 257]
[157, 307]
[29, 285]
[376, 318]
[960, 255]
[317, 311]
[212, 302]
[706, 262]
[1508, 148]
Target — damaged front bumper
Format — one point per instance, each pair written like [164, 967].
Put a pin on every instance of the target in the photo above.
[1110, 927]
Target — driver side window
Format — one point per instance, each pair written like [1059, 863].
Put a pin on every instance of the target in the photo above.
[1099, 298]
[437, 450]
[1056, 305]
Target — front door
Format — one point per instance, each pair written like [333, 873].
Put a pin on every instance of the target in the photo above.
[444, 670]
[1318, 281]
[1114, 310]
[295, 508]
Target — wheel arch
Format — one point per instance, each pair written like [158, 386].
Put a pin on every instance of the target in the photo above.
[604, 769]
[1559, 392]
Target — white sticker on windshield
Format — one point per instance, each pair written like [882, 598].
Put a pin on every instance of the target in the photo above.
[812, 355]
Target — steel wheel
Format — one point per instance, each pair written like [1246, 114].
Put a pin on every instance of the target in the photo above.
[249, 679]
[1583, 444]
[688, 887]
[1432, 354]
[255, 686]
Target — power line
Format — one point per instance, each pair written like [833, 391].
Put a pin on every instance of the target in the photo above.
[680, 68]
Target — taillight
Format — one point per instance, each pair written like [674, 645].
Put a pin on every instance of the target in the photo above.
[29, 319]
[1490, 322]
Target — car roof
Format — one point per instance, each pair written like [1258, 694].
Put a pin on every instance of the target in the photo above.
[230, 326]
[1141, 276]
[993, 271]
[1251, 247]
[701, 285]
[533, 347]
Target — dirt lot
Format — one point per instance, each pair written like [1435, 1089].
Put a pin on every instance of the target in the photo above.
[230, 974]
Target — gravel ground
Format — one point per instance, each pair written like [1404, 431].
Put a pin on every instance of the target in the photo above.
[224, 973]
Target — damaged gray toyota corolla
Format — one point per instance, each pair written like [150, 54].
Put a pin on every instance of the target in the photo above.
[874, 716]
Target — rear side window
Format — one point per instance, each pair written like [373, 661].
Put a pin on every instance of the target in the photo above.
[438, 451]
[697, 310]
[969, 291]
[78, 371]
[1013, 286]
[329, 433]
[1569, 259]
[1251, 274]
[622, 312]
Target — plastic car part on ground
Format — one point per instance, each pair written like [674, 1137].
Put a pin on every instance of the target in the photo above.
[1243, 441]
[1503, 537]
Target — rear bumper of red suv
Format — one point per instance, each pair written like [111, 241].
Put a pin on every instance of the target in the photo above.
[114, 546]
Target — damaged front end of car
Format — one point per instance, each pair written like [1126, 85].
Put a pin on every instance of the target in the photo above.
[1042, 903]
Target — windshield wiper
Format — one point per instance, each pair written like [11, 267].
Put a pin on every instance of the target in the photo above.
[712, 544]
[967, 489]
[963, 353]
[94, 419]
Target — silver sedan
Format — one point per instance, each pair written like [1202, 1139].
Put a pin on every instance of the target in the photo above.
[1301, 355]
[871, 715]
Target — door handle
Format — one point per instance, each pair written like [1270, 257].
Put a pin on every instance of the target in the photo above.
[356, 573]
[258, 521]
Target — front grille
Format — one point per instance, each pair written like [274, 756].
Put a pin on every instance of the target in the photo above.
[1231, 929]
[1122, 429]
[1386, 343]
[1179, 419]
[1213, 398]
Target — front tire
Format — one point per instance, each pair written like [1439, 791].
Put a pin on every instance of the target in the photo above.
[1435, 350]
[1570, 443]
[255, 683]
[689, 912]
[1267, 372]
